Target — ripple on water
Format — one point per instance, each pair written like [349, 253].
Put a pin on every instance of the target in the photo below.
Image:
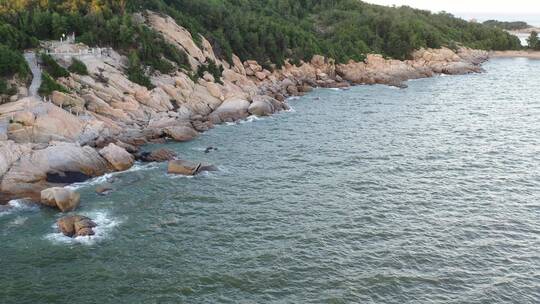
[372, 195]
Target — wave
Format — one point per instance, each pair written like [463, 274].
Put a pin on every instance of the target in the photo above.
[290, 109]
[106, 177]
[250, 118]
[18, 206]
[105, 225]
[18, 221]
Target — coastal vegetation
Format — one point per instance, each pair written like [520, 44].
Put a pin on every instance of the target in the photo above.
[49, 85]
[266, 31]
[533, 41]
[508, 25]
[271, 31]
[136, 73]
[12, 64]
[78, 67]
[52, 67]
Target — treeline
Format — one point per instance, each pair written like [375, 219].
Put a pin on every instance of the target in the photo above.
[268, 31]
[508, 25]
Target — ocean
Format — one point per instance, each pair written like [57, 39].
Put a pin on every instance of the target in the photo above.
[429, 194]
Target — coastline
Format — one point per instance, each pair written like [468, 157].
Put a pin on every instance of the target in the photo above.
[515, 54]
[99, 127]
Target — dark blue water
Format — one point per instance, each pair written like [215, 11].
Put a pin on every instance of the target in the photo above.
[429, 194]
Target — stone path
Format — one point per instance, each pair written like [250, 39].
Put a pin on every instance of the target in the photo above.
[36, 71]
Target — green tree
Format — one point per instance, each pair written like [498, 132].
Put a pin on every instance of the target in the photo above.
[11, 63]
[136, 73]
[78, 67]
[49, 85]
[533, 41]
[52, 67]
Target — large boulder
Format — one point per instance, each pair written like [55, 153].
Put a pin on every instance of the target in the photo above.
[183, 167]
[262, 105]
[61, 198]
[76, 225]
[118, 157]
[231, 109]
[64, 100]
[26, 118]
[181, 133]
[27, 175]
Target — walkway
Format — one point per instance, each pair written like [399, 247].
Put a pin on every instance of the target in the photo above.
[36, 71]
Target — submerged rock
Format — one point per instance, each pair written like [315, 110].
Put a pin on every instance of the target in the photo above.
[210, 149]
[104, 189]
[188, 168]
[61, 198]
[183, 167]
[76, 225]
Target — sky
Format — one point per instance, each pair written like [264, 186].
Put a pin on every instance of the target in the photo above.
[468, 7]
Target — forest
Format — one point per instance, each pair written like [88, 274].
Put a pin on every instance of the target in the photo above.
[268, 31]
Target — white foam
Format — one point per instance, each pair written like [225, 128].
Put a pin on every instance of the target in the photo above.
[18, 221]
[18, 206]
[293, 98]
[104, 178]
[290, 109]
[251, 118]
[175, 176]
[105, 225]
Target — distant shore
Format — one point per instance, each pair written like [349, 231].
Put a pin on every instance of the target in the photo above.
[525, 31]
[515, 54]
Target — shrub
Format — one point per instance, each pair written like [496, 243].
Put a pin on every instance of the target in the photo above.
[52, 67]
[3, 87]
[49, 85]
[78, 67]
[212, 68]
[136, 73]
[12, 63]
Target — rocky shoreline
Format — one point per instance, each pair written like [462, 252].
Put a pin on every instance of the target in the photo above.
[100, 124]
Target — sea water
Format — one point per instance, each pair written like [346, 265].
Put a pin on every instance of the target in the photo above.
[429, 194]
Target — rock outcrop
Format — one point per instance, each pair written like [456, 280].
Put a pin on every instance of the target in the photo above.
[118, 157]
[183, 167]
[61, 198]
[76, 225]
[27, 175]
[181, 133]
